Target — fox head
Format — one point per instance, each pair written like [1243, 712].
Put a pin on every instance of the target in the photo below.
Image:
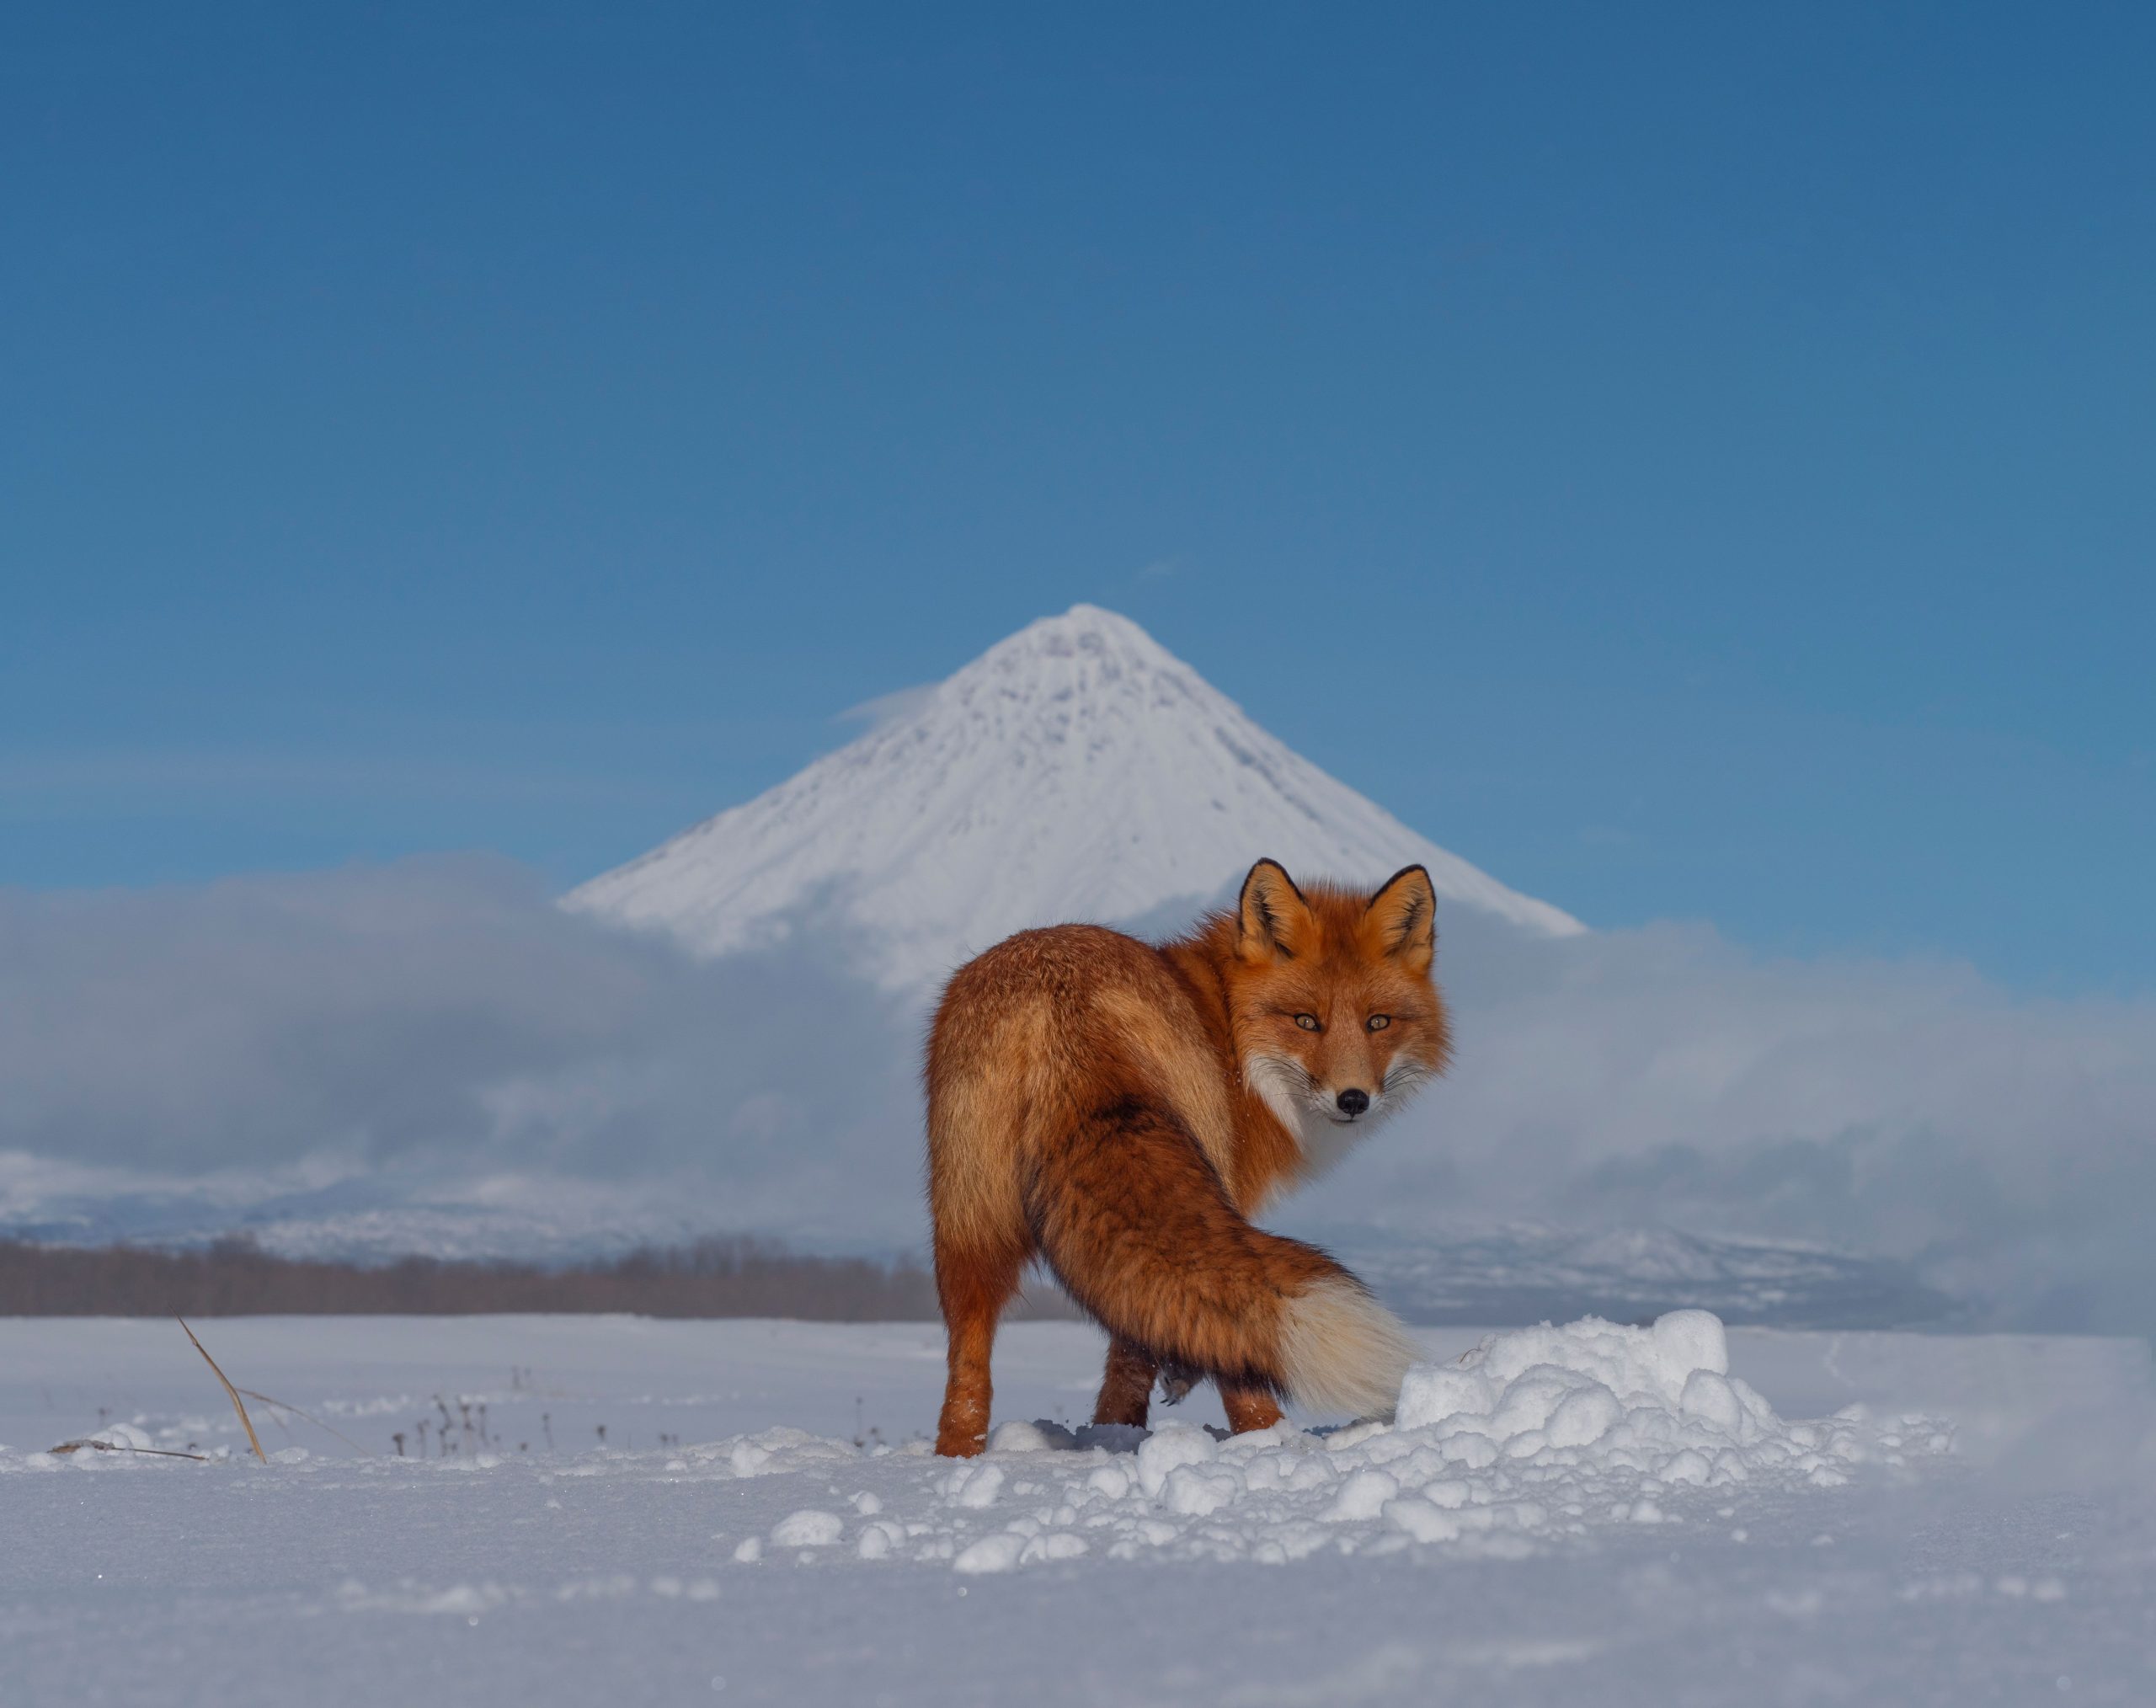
[1336, 1018]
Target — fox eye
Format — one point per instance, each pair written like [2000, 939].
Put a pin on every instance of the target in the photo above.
[1307, 1022]
[1378, 1022]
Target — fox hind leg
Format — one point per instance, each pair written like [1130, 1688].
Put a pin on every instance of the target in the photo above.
[1126, 1385]
[1127, 1390]
[973, 1288]
[1248, 1408]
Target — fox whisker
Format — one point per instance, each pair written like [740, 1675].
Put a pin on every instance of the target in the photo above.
[1406, 1076]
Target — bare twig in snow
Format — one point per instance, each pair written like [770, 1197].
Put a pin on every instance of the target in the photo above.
[123, 1447]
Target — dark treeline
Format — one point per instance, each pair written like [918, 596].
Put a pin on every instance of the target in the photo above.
[737, 1277]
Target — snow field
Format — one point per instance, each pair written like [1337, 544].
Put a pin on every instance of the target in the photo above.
[1530, 1440]
[807, 1565]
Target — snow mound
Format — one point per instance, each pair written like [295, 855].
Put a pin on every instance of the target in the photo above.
[1662, 1399]
[1532, 1437]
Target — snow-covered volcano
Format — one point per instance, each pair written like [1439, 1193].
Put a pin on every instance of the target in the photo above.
[1076, 770]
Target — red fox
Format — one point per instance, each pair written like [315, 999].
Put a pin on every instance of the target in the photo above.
[1119, 1110]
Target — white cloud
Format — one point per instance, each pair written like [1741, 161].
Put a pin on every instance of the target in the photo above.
[893, 707]
[441, 1012]
[440, 1031]
[2007, 1146]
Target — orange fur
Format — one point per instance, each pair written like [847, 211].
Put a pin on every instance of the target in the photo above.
[1120, 1111]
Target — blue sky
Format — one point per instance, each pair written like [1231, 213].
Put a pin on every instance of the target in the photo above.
[1695, 461]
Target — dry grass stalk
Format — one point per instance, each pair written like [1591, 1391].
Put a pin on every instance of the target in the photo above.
[238, 1403]
[309, 1417]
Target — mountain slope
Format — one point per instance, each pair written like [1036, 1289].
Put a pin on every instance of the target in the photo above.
[1076, 770]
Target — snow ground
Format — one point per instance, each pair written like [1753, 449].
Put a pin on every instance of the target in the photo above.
[1519, 1539]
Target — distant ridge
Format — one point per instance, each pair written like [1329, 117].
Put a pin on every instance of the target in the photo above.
[1076, 771]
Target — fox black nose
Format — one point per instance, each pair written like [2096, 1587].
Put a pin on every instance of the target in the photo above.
[1354, 1101]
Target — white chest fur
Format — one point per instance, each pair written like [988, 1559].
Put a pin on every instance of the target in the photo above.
[1284, 1089]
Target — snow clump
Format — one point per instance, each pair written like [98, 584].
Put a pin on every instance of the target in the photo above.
[1656, 1401]
[1533, 1437]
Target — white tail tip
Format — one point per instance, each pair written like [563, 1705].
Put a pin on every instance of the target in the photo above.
[1344, 1351]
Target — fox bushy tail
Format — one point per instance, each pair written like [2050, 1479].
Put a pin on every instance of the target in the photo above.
[1135, 1223]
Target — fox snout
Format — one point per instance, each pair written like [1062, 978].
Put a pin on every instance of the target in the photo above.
[1353, 1101]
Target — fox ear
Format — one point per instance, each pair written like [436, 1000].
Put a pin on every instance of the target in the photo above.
[1401, 919]
[1274, 916]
